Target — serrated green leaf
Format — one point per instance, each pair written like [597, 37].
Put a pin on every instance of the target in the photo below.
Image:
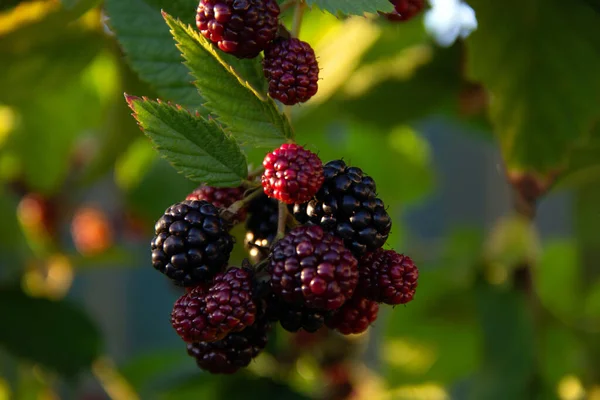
[149, 47]
[352, 7]
[545, 91]
[196, 147]
[250, 115]
[45, 332]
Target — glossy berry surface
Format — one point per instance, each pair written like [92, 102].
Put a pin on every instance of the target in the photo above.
[387, 277]
[191, 243]
[292, 174]
[355, 316]
[209, 314]
[233, 352]
[312, 268]
[261, 227]
[293, 317]
[243, 28]
[220, 197]
[291, 67]
[405, 9]
[347, 205]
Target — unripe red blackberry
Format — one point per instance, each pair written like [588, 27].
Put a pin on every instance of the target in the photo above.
[291, 67]
[243, 28]
[261, 227]
[210, 314]
[191, 243]
[233, 352]
[354, 316]
[293, 317]
[405, 9]
[387, 277]
[312, 268]
[347, 205]
[292, 174]
[220, 197]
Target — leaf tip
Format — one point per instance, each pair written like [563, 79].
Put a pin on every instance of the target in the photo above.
[130, 99]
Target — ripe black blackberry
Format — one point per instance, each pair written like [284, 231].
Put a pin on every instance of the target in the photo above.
[310, 267]
[355, 316]
[293, 317]
[243, 28]
[387, 277]
[261, 227]
[209, 314]
[291, 67]
[221, 197]
[191, 243]
[347, 205]
[233, 352]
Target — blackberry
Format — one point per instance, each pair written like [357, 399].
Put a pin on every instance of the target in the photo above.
[293, 317]
[243, 28]
[209, 314]
[347, 205]
[291, 67]
[405, 9]
[387, 277]
[292, 174]
[354, 316]
[191, 243]
[312, 268]
[220, 197]
[261, 227]
[233, 352]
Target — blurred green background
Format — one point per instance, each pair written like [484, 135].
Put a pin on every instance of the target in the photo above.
[508, 303]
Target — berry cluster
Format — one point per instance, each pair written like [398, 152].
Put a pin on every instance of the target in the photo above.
[320, 265]
[314, 232]
[244, 28]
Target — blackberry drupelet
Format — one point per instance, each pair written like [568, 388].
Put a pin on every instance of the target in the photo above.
[310, 267]
[292, 174]
[291, 67]
[355, 316]
[191, 243]
[347, 205]
[209, 314]
[261, 227]
[293, 317]
[243, 28]
[387, 277]
[233, 352]
[405, 9]
[220, 197]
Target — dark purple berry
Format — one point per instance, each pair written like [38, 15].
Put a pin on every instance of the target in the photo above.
[191, 243]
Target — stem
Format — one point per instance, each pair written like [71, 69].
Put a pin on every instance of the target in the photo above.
[283, 211]
[229, 213]
[297, 22]
[295, 32]
[286, 6]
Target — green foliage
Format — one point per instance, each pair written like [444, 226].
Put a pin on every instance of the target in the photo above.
[352, 7]
[545, 92]
[197, 147]
[251, 116]
[54, 334]
[149, 46]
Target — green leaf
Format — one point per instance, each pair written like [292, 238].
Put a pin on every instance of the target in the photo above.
[250, 115]
[54, 334]
[149, 46]
[196, 147]
[352, 7]
[545, 93]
